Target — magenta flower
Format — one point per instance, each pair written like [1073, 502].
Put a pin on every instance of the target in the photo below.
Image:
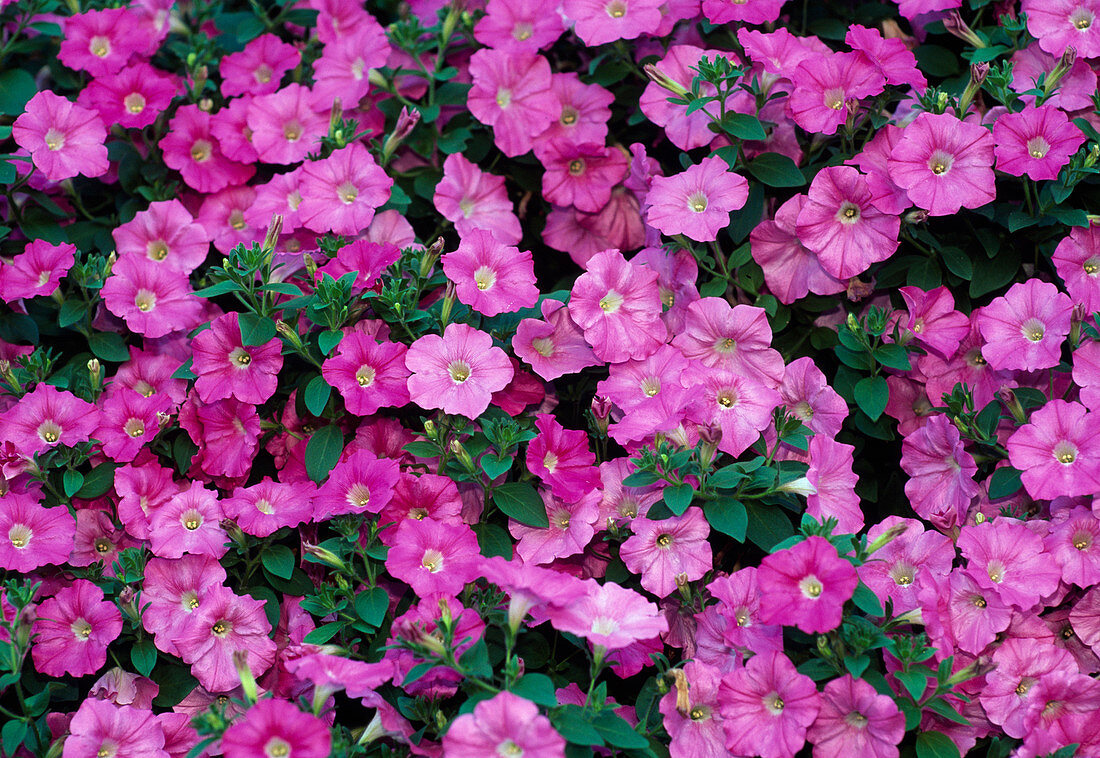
[1077, 261]
[767, 707]
[571, 528]
[226, 623]
[511, 93]
[944, 164]
[791, 270]
[103, 41]
[1072, 543]
[268, 506]
[258, 69]
[222, 216]
[695, 723]
[933, 320]
[839, 221]
[958, 612]
[434, 557]
[941, 473]
[340, 193]
[48, 417]
[343, 70]
[1058, 451]
[173, 591]
[833, 481]
[127, 421]
[745, 11]
[824, 85]
[517, 26]
[553, 346]
[153, 300]
[491, 277]
[582, 110]
[458, 372]
[1061, 24]
[503, 725]
[899, 566]
[809, 398]
[1073, 92]
[580, 175]
[190, 148]
[36, 271]
[132, 98]
[73, 629]
[165, 233]
[561, 459]
[609, 616]
[227, 433]
[287, 125]
[367, 259]
[100, 727]
[362, 483]
[600, 21]
[473, 199]
[277, 728]
[891, 56]
[31, 535]
[856, 720]
[740, 405]
[1008, 696]
[189, 523]
[1024, 329]
[1035, 142]
[368, 374]
[697, 202]
[684, 130]
[808, 585]
[63, 139]
[734, 338]
[661, 551]
[1007, 557]
[227, 368]
[618, 306]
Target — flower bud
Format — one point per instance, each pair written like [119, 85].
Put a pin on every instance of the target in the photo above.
[1012, 404]
[661, 79]
[799, 486]
[95, 373]
[680, 682]
[955, 25]
[248, 681]
[323, 555]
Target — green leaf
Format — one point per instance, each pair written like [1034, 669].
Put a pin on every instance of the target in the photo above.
[71, 482]
[323, 451]
[641, 479]
[520, 501]
[323, 634]
[221, 288]
[256, 330]
[493, 539]
[538, 688]
[1004, 482]
[98, 481]
[936, 745]
[617, 732]
[727, 516]
[915, 681]
[279, 560]
[678, 497]
[743, 126]
[572, 723]
[144, 656]
[11, 736]
[936, 61]
[316, 395]
[768, 525]
[990, 275]
[948, 711]
[371, 606]
[867, 601]
[8, 174]
[493, 467]
[727, 476]
[871, 394]
[16, 88]
[109, 346]
[857, 665]
[776, 170]
[184, 372]
[476, 660]
[957, 262]
[328, 340]
[893, 356]
[72, 311]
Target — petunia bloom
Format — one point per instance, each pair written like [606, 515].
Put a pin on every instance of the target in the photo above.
[697, 202]
[489, 276]
[808, 585]
[457, 372]
[226, 367]
[1024, 329]
[63, 138]
[506, 724]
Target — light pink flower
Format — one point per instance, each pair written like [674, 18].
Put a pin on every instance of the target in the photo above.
[63, 139]
[503, 725]
[258, 69]
[368, 374]
[662, 551]
[491, 277]
[511, 93]
[697, 202]
[277, 727]
[458, 372]
[473, 199]
[767, 707]
[166, 233]
[1035, 142]
[1058, 451]
[73, 629]
[434, 557]
[340, 193]
[1024, 329]
[601, 21]
[609, 616]
[31, 535]
[856, 720]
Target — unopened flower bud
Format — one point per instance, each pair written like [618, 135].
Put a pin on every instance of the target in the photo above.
[429, 429]
[661, 79]
[431, 255]
[799, 486]
[448, 304]
[955, 25]
[274, 229]
[248, 680]
[887, 537]
[1065, 63]
[323, 555]
[95, 373]
[462, 456]
[918, 216]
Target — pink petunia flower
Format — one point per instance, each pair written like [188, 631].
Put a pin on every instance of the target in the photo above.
[458, 372]
[1024, 329]
[1061, 24]
[1057, 451]
[434, 557]
[153, 300]
[839, 221]
[1035, 142]
[222, 216]
[47, 417]
[341, 193]
[190, 522]
[190, 148]
[1007, 557]
[343, 70]
[63, 139]
[897, 569]
[100, 727]
[745, 11]
[562, 460]
[506, 724]
[73, 629]
[808, 585]
[582, 110]
[739, 405]
[1075, 89]
[1077, 261]
[473, 199]
[580, 175]
[517, 26]
[610, 617]
[553, 346]
[225, 624]
[362, 483]
[856, 720]
[958, 612]
[941, 473]
[101, 42]
[511, 93]
[767, 707]
[129, 420]
[226, 431]
[809, 398]
[663, 551]
[228, 368]
[1009, 691]
[933, 320]
[692, 717]
[697, 202]
[265, 507]
[368, 374]
[824, 85]
[173, 590]
[258, 69]
[571, 527]
[229, 125]
[491, 277]
[37, 271]
[132, 98]
[287, 125]
[166, 233]
[1074, 543]
[31, 535]
[791, 270]
[279, 196]
[618, 306]
[277, 728]
[831, 476]
[736, 338]
[890, 55]
[944, 164]
[597, 22]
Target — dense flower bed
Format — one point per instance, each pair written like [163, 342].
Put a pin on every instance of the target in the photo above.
[511, 378]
